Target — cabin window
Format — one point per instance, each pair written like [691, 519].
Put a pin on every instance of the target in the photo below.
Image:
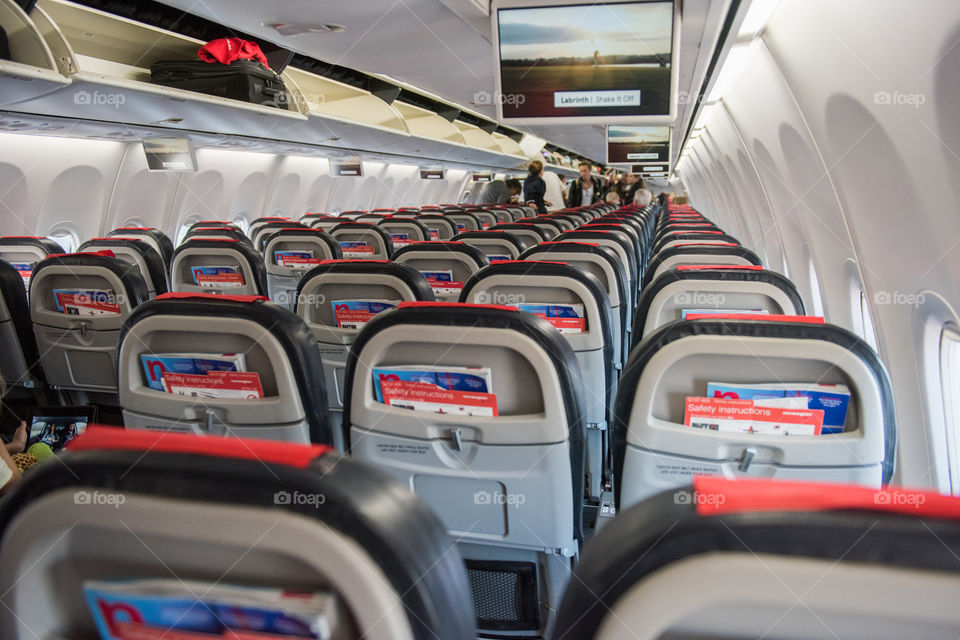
[816, 299]
[185, 227]
[66, 238]
[950, 381]
[867, 330]
[241, 221]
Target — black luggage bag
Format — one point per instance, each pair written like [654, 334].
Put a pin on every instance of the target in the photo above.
[246, 80]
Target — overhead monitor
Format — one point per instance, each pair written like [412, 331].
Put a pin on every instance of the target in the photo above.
[636, 145]
[169, 154]
[346, 166]
[580, 61]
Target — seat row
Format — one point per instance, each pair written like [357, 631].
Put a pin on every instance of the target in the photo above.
[571, 434]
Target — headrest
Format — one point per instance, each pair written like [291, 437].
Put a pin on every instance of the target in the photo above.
[717, 496]
[211, 297]
[403, 272]
[444, 246]
[288, 329]
[48, 246]
[760, 326]
[134, 284]
[113, 439]
[751, 317]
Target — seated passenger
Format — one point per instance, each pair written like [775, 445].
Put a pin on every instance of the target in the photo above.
[612, 197]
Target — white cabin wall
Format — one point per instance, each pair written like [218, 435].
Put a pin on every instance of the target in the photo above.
[846, 112]
[92, 186]
[55, 183]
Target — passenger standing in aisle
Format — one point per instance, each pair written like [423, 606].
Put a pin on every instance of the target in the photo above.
[586, 190]
[534, 188]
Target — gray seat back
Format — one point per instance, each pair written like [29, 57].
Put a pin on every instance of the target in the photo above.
[78, 351]
[654, 450]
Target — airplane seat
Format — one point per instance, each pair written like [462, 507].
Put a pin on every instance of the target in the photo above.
[528, 211]
[264, 230]
[138, 254]
[404, 230]
[154, 237]
[675, 238]
[655, 448]
[697, 254]
[528, 233]
[578, 217]
[445, 265]
[336, 299]
[464, 220]
[487, 217]
[176, 340]
[714, 289]
[321, 221]
[178, 514]
[256, 223]
[497, 245]
[362, 241]
[20, 366]
[216, 233]
[732, 559]
[636, 241]
[440, 226]
[210, 224]
[507, 484]
[504, 213]
[78, 304]
[218, 265]
[621, 243]
[568, 223]
[551, 228]
[289, 253]
[603, 263]
[588, 330]
[24, 252]
[684, 227]
[373, 217]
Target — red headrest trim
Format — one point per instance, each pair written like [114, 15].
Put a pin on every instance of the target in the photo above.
[134, 229]
[103, 253]
[183, 295]
[212, 240]
[267, 451]
[712, 244]
[713, 231]
[772, 317]
[729, 267]
[353, 260]
[493, 264]
[452, 305]
[589, 244]
[718, 496]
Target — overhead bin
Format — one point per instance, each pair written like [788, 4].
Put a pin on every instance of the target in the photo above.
[32, 71]
[86, 64]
